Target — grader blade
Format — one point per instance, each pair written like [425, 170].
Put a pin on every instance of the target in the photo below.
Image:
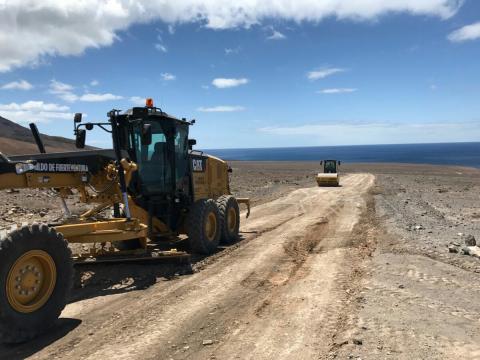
[179, 257]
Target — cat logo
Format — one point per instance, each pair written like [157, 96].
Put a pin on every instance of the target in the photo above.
[197, 165]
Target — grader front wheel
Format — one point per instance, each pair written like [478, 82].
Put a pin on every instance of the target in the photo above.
[36, 271]
[31, 281]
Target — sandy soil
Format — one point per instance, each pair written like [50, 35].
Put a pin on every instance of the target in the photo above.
[420, 301]
[359, 271]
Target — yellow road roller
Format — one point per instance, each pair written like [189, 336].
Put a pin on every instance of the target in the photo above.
[330, 176]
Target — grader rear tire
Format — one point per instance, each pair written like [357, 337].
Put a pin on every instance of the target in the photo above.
[203, 227]
[229, 218]
[36, 274]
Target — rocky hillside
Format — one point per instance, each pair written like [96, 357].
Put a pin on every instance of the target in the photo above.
[16, 139]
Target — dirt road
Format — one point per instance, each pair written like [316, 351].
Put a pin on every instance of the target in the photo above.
[286, 291]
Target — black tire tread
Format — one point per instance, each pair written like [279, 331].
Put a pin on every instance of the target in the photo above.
[195, 227]
[57, 247]
[224, 202]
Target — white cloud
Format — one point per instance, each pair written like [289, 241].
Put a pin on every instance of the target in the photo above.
[18, 85]
[229, 51]
[223, 83]
[161, 47]
[171, 29]
[159, 44]
[90, 97]
[65, 92]
[223, 108]
[276, 35]
[68, 27]
[468, 32]
[323, 73]
[358, 133]
[168, 76]
[337, 91]
[137, 100]
[34, 106]
[68, 97]
[35, 111]
[57, 87]
[94, 83]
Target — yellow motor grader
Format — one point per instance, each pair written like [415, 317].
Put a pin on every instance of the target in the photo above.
[153, 184]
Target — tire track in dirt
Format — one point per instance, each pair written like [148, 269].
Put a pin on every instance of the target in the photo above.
[279, 294]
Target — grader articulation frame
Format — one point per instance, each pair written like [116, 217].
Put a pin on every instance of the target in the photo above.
[156, 187]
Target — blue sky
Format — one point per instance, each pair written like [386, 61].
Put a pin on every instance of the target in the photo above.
[288, 74]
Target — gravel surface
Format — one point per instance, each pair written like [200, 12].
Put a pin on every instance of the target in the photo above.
[382, 267]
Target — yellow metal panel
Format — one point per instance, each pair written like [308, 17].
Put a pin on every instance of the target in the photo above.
[103, 231]
[12, 181]
[213, 182]
[139, 213]
[200, 185]
[38, 179]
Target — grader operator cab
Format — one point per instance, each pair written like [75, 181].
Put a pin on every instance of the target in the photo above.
[330, 176]
[156, 188]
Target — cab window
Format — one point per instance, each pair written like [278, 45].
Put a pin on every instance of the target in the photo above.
[153, 161]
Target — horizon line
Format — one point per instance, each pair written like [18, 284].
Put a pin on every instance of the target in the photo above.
[325, 146]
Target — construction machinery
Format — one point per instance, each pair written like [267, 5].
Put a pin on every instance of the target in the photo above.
[152, 188]
[330, 176]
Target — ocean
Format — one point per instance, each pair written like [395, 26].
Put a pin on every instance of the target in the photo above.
[464, 154]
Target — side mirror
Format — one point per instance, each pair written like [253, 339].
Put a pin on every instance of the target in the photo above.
[339, 162]
[191, 142]
[146, 134]
[77, 118]
[321, 162]
[80, 139]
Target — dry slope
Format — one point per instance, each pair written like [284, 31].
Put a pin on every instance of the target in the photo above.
[16, 139]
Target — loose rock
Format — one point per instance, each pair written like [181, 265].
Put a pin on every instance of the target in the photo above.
[207, 342]
[472, 251]
[470, 240]
[453, 249]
